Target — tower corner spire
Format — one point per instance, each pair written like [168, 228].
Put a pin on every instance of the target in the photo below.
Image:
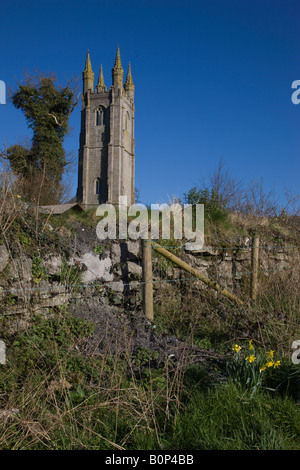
[88, 74]
[117, 71]
[101, 85]
[129, 85]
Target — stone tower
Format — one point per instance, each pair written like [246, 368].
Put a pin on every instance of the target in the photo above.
[106, 154]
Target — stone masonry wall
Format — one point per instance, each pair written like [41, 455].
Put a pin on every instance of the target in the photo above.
[28, 287]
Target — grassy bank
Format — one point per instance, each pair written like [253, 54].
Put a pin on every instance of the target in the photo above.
[57, 394]
[53, 396]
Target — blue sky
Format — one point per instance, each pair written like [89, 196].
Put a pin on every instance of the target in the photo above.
[212, 78]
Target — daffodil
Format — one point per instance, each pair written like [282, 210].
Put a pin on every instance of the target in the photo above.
[250, 358]
[250, 345]
[270, 364]
[262, 368]
[271, 354]
[236, 348]
[277, 364]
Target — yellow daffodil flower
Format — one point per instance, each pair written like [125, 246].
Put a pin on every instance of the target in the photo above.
[236, 348]
[250, 345]
[270, 364]
[250, 358]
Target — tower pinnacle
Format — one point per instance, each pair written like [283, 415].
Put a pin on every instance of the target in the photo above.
[101, 85]
[88, 66]
[129, 85]
[118, 64]
[117, 71]
[88, 74]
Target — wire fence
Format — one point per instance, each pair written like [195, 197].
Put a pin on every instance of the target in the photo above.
[125, 284]
[136, 283]
[235, 247]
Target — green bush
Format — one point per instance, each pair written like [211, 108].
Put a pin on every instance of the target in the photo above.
[215, 205]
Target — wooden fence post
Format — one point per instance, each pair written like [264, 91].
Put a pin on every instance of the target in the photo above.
[147, 279]
[254, 266]
[196, 273]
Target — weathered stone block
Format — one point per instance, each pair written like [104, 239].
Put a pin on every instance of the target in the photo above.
[21, 268]
[53, 264]
[96, 268]
[117, 286]
[134, 269]
[134, 249]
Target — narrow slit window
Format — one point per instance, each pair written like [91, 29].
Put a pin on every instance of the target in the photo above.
[127, 118]
[97, 186]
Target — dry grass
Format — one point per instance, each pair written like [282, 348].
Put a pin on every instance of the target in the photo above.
[55, 398]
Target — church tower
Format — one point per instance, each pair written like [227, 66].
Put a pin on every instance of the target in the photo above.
[106, 145]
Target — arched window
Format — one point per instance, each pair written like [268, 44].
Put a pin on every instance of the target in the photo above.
[97, 186]
[100, 116]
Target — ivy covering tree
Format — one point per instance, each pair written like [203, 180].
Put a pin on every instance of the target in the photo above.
[47, 108]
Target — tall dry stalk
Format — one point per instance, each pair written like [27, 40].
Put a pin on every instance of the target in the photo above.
[10, 205]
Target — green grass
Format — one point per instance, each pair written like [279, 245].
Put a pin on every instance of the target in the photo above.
[223, 418]
[69, 400]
